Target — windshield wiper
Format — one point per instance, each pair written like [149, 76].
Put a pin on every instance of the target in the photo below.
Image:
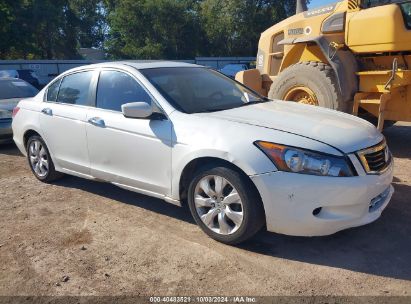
[214, 110]
[262, 100]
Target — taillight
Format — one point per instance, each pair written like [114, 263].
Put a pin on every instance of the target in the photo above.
[15, 111]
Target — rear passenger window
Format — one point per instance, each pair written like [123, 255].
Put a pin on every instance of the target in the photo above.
[117, 88]
[53, 91]
[75, 89]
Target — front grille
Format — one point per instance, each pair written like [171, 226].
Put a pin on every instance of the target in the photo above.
[375, 159]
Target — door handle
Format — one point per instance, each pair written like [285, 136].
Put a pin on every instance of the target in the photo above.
[97, 121]
[47, 111]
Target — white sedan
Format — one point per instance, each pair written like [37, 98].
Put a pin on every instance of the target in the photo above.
[189, 135]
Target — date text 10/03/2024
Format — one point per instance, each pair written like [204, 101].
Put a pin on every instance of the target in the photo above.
[235, 299]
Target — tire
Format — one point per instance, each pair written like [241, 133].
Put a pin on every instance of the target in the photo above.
[41, 156]
[318, 77]
[249, 204]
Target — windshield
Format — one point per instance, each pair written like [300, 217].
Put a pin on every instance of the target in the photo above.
[373, 3]
[196, 90]
[14, 88]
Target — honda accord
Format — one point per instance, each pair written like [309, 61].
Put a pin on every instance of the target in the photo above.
[190, 135]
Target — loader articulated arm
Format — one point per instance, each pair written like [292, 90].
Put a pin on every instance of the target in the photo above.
[301, 6]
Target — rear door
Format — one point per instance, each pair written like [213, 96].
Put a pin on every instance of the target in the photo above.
[63, 120]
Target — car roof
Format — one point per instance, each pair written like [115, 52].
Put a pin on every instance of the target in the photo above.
[138, 64]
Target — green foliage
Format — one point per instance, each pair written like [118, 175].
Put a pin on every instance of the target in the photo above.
[150, 29]
[137, 29]
[234, 27]
[48, 29]
[177, 29]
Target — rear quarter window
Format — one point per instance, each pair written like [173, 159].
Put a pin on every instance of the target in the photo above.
[53, 91]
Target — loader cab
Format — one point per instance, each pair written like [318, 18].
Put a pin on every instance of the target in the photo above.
[405, 7]
[380, 26]
[373, 3]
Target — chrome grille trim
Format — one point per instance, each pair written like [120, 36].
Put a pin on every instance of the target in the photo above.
[375, 160]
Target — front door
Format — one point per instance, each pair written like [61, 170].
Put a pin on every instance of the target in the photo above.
[126, 151]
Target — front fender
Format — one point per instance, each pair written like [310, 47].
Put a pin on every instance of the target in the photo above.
[342, 62]
[180, 162]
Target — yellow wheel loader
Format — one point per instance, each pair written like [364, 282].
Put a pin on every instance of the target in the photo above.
[353, 55]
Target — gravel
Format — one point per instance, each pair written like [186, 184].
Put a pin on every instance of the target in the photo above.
[137, 245]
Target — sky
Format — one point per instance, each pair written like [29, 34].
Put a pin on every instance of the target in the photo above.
[316, 3]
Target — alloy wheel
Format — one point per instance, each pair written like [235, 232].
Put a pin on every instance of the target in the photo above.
[218, 204]
[39, 160]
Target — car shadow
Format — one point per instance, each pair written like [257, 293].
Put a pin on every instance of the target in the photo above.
[381, 248]
[126, 197]
[10, 149]
[399, 140]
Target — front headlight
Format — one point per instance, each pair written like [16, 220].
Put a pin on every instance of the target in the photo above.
[4, 114]
[303, 161]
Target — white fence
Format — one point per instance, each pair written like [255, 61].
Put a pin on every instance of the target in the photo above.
[46, 70]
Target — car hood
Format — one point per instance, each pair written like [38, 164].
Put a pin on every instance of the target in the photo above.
[9, 104]
[339, 130]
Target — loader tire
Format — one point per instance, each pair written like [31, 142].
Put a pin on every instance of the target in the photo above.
[311, 83]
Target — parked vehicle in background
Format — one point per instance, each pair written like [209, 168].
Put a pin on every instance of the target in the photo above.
[12, 90]
[27, 75]
[232, 69]
[30, 76]
[9, 74]
[188, 134]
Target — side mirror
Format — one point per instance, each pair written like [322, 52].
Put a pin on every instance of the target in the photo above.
[139, 109]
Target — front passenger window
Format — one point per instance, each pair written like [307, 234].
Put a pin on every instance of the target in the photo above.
[117, 88]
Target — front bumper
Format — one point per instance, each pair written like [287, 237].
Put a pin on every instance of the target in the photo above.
[6, 133]
[291, 201]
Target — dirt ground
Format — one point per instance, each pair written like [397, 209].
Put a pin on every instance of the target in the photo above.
[78, 237]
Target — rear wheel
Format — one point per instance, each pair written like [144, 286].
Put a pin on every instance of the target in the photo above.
[225, 205]
[312, 83]
[40, 160]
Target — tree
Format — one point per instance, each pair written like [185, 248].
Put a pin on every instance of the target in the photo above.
[181, 29]
[153, 29]
[13, 29]
[138, 29]
[233, 27]
[91, 22]
[49, 29]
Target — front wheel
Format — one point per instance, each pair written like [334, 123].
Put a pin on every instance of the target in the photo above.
[225, 204]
